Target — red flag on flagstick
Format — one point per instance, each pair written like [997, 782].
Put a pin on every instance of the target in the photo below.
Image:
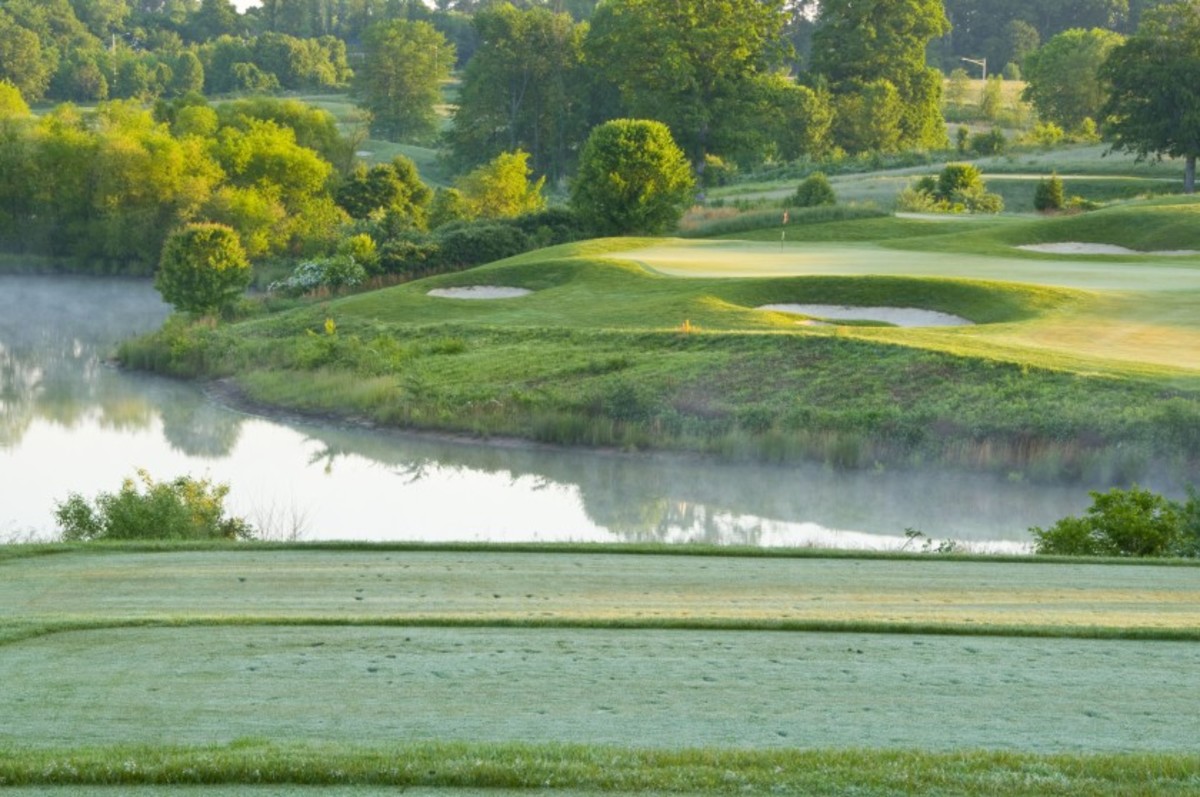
[785, 217]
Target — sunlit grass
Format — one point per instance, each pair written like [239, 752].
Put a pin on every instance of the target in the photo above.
[523, 586]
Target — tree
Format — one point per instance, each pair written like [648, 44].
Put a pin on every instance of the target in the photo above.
[400, 79]
[632, 178]
[796, 119]
[15, 153]
[991, 97]
[1153, 106]
[523, 89]
[501, 188]
[866, 43]
[22, 60]
[1049, 194]
[391, 188]
[203, 269]
[1063, 76]
[213, 19]
[694, 65]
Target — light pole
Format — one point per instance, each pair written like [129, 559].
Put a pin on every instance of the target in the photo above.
[982, 63]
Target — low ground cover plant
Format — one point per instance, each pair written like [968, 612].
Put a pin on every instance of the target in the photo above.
[184, 508]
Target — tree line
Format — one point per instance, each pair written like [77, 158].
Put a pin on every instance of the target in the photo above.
[105, 187]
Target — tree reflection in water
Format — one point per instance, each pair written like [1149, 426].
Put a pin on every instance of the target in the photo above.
[56, 332]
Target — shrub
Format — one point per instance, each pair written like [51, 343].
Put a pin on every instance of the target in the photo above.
[334, 273]
[407, 256]
[959, 188]
[992, 142]
[472, 244]
[1045, 134]
[1134, 522]
[551, 226]
[361, 248]
[718, 171]
[1049, 194]
[181, 509]
[815, 191]
[203, 268]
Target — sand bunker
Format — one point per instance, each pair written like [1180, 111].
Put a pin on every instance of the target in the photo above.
[478, 292]
[1076, 248]
[900, 316]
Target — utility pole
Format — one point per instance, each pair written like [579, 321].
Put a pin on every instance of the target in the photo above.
[981, 63]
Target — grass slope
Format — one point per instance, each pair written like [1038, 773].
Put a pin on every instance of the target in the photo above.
[1076, 367]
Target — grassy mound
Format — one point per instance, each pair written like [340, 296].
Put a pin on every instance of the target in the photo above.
[614, 348]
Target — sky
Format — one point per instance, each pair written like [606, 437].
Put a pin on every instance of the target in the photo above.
[242, 5]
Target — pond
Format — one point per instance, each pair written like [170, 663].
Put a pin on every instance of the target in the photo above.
[71, 422]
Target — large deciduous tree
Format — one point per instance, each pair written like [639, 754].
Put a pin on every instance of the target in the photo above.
[203, 268]
[694, 65]
[1063, 76]
[22, 60]
[866, 43]
[632, 179]
[399, 81]
[1153, 105]
[522, 90]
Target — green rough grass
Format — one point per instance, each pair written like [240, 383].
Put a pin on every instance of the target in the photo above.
[464, 769]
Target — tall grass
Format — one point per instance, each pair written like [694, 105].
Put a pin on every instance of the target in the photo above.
[605, 769]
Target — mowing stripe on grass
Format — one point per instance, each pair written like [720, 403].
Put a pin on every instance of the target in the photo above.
[597, 589]
[655, 689]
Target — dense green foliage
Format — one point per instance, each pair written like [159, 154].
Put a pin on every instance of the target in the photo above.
[632, 179]
[184, 508]
[502, 188]
[525, 89]
[1063, 76]
[399, 83]
[698, 66]
[101, 191]
[203, 270]
[1049, 194]
[1006, 31]
[1154, 78]
[1133, 522]
[873, 55]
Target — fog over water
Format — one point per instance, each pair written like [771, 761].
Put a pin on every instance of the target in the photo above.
[69, 422]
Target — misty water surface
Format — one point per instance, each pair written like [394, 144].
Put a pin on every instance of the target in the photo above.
[71, 423]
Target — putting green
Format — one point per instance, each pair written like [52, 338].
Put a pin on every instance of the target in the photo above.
[1135, 317]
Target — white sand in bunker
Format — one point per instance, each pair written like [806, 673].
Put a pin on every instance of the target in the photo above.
[900, 316]
[1077, 248]
[479, 292]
